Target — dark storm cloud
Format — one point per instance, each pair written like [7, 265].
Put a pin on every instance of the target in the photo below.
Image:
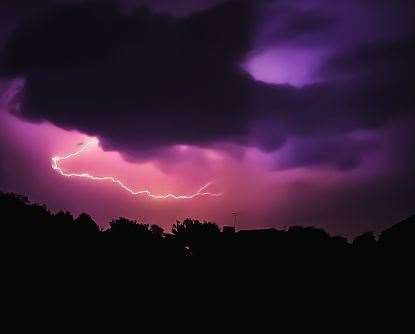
[13, 10]
[281, 21]
[340, 152]
[143, 81]
[135, 80]
[178, 8]
[377, 64]
[383, 73]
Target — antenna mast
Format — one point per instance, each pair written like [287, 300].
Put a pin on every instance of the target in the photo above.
[234, 214]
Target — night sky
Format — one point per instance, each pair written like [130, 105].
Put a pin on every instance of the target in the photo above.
[300, 112]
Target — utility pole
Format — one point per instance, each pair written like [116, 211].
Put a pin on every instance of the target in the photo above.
[234, 214]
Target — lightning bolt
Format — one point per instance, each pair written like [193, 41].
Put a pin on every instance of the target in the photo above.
[94, 141]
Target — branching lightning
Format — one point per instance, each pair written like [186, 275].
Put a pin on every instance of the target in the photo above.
[94, 141]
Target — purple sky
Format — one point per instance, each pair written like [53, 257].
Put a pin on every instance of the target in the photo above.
[302, 112]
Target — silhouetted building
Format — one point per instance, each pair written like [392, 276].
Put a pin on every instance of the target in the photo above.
[228, 229]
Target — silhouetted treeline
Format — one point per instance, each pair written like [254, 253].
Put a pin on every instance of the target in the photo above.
[32, 232]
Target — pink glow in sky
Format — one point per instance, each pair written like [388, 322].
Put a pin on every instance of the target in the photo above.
[93, 143]
[262, 196]
[317, 131]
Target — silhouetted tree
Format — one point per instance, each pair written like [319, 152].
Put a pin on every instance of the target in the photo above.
[85, 224]
[35, 234]
[126, 227]
[157, 231]
[199, 238]
[365, 242]
[64, 219]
